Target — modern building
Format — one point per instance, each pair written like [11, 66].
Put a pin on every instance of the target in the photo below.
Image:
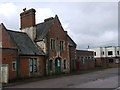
[106, 56]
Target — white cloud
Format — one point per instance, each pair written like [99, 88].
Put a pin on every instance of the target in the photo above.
[86, 23]
[9, 15]
[43, 13]
[105, 39]
[8, 9]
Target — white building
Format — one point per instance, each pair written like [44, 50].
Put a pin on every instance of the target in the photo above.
[108, 55]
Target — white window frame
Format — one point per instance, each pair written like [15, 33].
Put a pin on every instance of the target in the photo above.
[109, 53]
[118, 53]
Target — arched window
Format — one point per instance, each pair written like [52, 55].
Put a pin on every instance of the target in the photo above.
[50, 64]
[64, 64]
[58, 64]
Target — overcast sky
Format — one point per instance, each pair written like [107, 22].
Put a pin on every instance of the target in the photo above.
[88, 23]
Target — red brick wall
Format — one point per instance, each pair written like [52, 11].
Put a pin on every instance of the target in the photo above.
[24, 66]
[72, 51]
[104, 62]
[56, 32]
[88, 63]
[8, 51]
[7, 57]
[72, 55]
[6, 40]
[9, 54]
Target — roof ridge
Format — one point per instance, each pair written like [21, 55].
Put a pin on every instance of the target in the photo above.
[16, 31]
[45, 21]
[43, 28]
[84, 50]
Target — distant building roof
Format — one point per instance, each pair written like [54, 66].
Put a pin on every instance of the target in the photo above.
[25, 44]
[83, 51]
[103, 47]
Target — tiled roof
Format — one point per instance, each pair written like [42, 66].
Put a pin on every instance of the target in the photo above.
[25, 45]
[42, 29]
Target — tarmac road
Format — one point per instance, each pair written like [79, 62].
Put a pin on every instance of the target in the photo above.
[107, 78]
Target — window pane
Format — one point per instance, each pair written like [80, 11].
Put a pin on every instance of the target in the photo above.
[14, 66]
[110, 53]
[95, 53]
[64, 64]
[50, 64]
[103, 53]
[52, 44]
[117, 61]
[31, 61]
[83, 61]
[110, 60]
[35, 62]
[61, 45]
[117, 52]
[35, 68]
[31, 65]
[31, 69]
[35, 65]
[58, 63]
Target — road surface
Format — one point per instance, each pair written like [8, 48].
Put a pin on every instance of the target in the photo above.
[107, 78]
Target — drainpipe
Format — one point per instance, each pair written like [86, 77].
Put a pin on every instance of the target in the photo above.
[45, 65]
[18, 66]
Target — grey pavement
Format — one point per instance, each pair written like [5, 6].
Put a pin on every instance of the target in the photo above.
[111, 82]
[107, 78]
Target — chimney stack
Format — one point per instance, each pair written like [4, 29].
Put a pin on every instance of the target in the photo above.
[27, 18]
[50, 18]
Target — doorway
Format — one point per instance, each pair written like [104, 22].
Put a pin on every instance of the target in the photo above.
[58, 64]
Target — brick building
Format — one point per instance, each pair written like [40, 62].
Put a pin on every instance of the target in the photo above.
[46, 48]
[85, 60]
[21, 56]
[51, 38]
[38, 49]
[106, 56]
[8, 50]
